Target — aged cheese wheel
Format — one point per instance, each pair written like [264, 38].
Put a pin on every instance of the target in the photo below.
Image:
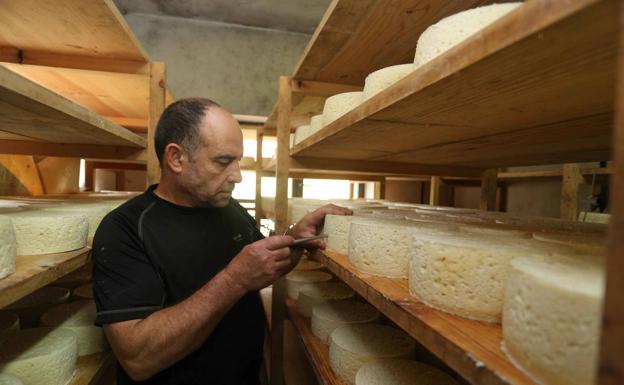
[315, 294]
[9, 379]
[328, 316]
[94, 212]
[340, 104]
[316, 123]
[307, 264]
[8, 247]
[397, 371]
[297, 279]
[591, 244]
[301, 133]
[381, 79]
[337, 227]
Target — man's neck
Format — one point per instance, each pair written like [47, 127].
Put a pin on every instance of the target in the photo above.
[172, 193]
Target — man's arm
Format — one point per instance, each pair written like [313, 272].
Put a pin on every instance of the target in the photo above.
[147, 346]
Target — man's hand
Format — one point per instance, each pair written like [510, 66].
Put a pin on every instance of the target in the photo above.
[261, 263]
[311, 224]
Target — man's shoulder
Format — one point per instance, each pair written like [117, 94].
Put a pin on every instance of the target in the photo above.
[124, 218]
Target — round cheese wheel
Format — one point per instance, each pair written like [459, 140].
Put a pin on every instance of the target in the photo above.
[9, 323]
[83, 292]
[94, 212]
[397, 371]
[338, 105]
[301, 133]
[316, 123]
[30, 308]
[495, 230]
[337, 228]
[78, 316]
[317, 293]
[40, 356]
[552, 319]
[297, 279]
[591, 244]
[8, 247]
[352, 346]
[9, 379]
[330, 315]
[306, 264]
[381, 79]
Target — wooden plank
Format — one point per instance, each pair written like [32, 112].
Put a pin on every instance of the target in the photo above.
[117, 165]
[90, 368]
[36, 271]
[316, 351]
[357, 37]
[259, 172]
[25, 170]
[312, 88]
[519, 175]
[59, 175]
[611, 366]
[434, 190]
[535, 87]
[72, 150]
[156, 107]
[471, 348]
[572, 179]
[489, 188]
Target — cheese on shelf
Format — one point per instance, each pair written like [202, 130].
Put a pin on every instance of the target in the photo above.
[306, 264]
[83, 292]
[592, 244]
[316, 123]
[454, 29]
[552, 319]
[78, 316]
[30, 308]
[9, 323]
[340, 104]
[337, 227]
[397, 371]
[352, 346]
[381, 79]
[381, 247]
[8, 247]
[40, 356]
[45, 232]
[9, 379]
[494, 230]
[301, 133]
[317, 293]
[297, 279]
[94, 212]
[328, 316]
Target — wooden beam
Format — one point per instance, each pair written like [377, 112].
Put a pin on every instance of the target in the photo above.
[132, 124]
[489, 187]
[56, 60]
[117, 166]
[71, 150]
[25, 170]
[434, 190]
[157, 102]
[259, 173]
[309, 87]
[572, 178]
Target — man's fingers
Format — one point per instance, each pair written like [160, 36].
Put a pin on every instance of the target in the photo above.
[277, 241]
[283, 253]
[316, 216]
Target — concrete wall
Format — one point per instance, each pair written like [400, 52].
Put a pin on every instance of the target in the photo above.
[234, 65]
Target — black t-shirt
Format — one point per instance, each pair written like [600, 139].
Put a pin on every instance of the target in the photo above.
[150, 253]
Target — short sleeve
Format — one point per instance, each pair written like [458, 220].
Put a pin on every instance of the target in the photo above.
[126, 285]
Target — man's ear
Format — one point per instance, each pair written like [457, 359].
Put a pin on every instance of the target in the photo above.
[174, 157]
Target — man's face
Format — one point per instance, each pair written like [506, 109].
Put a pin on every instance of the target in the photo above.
[212, 170]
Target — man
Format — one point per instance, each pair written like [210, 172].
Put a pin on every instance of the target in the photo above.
[177, 269]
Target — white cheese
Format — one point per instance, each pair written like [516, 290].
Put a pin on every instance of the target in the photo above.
[30, 308]
[40, 356]
[352, 346]
[9, 323]
[381, 79]
[495, 230]
[306, 264]
[592, 244]
[381, 247]
[340, 104]
[315, 294]
[94, 212]
[291, 140]
[44, 232]
[301, 133]
[552, 319]
[328, 316]
[83, 292]
[9, 379]
[296, 279]
[454, 29]
[8, 247]
[78, 316]
[316, 123]
[337, 228]
[397, 371]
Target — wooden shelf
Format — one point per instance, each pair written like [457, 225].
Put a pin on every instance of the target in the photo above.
[470, 348]
[316, 351]
[36, 271]
[90, 368]
[535, 87]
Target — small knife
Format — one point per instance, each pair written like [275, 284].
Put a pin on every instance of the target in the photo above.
[303, 240]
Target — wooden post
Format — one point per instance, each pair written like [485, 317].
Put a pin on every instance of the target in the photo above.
[380, 189]
[24, 169]
[489, 185]
[434, 190]
[157, 100]
[89, 175]
[284, 109]
[259, 213]
[611, 367]
[572, 178]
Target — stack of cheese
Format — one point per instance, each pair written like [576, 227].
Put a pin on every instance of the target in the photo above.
[30, 308]
[8, 247]
[78, 316]
[352, 346]
[297, 279]
[331, 315]
[381, 79]
[40, 356]
[315, 294]
[398, 371]
[338, 105]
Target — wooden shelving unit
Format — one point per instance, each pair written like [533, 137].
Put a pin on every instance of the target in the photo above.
[536, 87]
[89, 369]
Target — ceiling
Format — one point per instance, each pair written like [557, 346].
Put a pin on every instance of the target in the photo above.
[289, 15]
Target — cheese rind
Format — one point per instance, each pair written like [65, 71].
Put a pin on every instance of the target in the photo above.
[295, 280]
[8, 247]
[381, 79]
[591, 244]
[338, 105]
[44, 232]
[315, 294]
[40, 356]
[352, 346]
[333, 314]
[79, 316]
[552, 319]
[301, 133]
[30, 308]
[94, 213]
[396, 371]
[454, 29]
[9, 379]
[337, 228]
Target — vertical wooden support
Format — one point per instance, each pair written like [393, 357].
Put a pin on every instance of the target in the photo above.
[25, 171]
[89, 175]
[434, 190]
[572, 178]
[351, 190]
[157, 97]
[611, 368]
[259, 170]
[284, 108]
[380, 189]
[489, 186]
